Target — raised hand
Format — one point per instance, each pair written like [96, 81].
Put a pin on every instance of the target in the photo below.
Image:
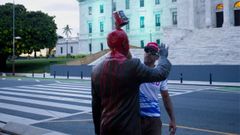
[163, 53]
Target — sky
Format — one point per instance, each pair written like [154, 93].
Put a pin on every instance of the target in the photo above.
[66, 12]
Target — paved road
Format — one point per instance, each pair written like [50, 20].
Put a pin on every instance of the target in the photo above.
[65, 106]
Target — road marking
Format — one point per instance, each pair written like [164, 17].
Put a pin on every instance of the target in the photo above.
[60, 121]
[64, 97]
[57, 81]
[39, 88]
[48, 92]
[19, 79]
[48, 103]
[47, 97]
[54, 119]
[8, 118]
[37, 80]
[202, 130]
[65, 87]
[33, 110]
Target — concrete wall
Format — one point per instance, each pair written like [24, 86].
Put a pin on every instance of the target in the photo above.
[220, 73]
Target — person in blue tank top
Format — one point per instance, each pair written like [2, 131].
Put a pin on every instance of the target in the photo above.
[151, 123]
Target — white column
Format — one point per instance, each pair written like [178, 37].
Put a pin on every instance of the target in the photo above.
[208, 13]
[226, 12]
[191, 14]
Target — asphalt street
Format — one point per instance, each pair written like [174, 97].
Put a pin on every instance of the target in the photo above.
[65, 106]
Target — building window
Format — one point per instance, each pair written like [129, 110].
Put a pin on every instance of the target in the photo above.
[89, 10]
[90, 48]
[101, 9]
[142, 43]
[71, 49]
[114, 8]
[174, 0]
[157, 20]
[142, 22]
[89, 27]
[127, 4]
[157, 2]
[101, 45]
[128, 26]
[61, 50]
[101, 27]
[158, 41]
[141, 3]
[174, 18]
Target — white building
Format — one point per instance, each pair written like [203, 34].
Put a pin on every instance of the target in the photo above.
[167, 21]
[208, 13]
[145, 20]
[68, 46]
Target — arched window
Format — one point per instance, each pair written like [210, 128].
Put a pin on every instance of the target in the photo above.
[219, 7]
[237, 5]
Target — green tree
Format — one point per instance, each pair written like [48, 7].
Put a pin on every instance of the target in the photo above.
[36, 29]
[67, 32]
[6, 30]
[41, 31]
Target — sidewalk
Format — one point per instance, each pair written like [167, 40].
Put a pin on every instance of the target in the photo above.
[234, 84]
[12, 128]
[185, 82]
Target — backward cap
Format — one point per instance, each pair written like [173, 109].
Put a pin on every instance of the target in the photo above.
[118, 40]
[153, 45]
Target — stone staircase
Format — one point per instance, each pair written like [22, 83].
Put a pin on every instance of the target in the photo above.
[215, 46]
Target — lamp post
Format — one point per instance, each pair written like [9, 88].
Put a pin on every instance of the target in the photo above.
[13, 42]
[90, 45]
[150, 36]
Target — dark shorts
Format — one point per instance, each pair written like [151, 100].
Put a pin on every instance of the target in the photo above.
[151, 126]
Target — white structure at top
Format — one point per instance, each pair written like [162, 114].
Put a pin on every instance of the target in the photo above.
[145, 20]
[197, 29]
[200, 14]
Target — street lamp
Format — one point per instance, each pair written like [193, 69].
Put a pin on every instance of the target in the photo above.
[150, 36]
[13, 50]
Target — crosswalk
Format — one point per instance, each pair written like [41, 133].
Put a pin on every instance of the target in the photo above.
[30, 104]
[35, 103]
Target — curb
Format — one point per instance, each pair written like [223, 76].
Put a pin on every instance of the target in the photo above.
[176, 82]
[13, 128]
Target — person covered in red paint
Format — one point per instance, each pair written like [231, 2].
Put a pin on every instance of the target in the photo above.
[115, 86]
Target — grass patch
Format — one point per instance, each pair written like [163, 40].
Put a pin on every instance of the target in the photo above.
[38, 65]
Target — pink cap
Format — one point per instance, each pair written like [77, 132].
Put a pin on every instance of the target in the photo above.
[153, 45]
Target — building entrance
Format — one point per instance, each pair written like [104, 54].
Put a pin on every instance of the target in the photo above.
[237, 17]
[219, 19]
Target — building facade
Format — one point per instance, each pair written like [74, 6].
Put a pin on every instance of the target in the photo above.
[68, 46]
[198, 14]
[145, 20]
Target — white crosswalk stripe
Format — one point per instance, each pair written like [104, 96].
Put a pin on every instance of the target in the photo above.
[50, 101]
[6, 118]
[18, 103]
[33, 110]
